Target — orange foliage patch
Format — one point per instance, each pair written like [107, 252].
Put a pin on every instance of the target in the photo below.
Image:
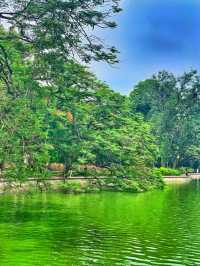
[70, 117]
[56, 167]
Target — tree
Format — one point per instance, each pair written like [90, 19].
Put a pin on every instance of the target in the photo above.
[23, 139]
[128, 150]
[172, 106]
[57, 28]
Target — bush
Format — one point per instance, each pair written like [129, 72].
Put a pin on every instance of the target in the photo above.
[164, 171]
[90, 170]
[128, 185]
[77, 187]
[71, 187]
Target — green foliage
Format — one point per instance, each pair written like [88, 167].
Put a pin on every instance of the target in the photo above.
[56, 111]
[128, 150]
[112, 184]
[57, 30]
[71, 187]
[171, 105]
[164, 171]
[79, 170]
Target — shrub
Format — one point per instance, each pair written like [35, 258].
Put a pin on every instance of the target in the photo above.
[90, 170]
[71, 187]
[164, 171]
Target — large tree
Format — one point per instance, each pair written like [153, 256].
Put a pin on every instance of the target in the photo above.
[59, 28]
[172, 105]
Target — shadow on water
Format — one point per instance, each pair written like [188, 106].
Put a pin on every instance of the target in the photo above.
[155, 228]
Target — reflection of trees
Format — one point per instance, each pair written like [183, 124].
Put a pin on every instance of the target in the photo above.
[101, 228]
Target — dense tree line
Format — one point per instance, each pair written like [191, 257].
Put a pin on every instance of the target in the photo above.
[72, 118]
[67, 117]
[54, 110]
[172, 106]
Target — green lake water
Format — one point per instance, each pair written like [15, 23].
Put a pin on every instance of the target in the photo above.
[156, 228]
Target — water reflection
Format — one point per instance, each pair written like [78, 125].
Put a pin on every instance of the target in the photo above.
[157, 228]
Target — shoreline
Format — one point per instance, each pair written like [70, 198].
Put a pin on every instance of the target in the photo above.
[80, 184]
[76, 185]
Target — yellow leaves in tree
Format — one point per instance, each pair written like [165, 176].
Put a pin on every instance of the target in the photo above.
[67, 115]
[70, 117]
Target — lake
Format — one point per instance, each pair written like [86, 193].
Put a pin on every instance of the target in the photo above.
[154, 228]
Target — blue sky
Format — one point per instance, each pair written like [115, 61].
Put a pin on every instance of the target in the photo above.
[152, 35]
